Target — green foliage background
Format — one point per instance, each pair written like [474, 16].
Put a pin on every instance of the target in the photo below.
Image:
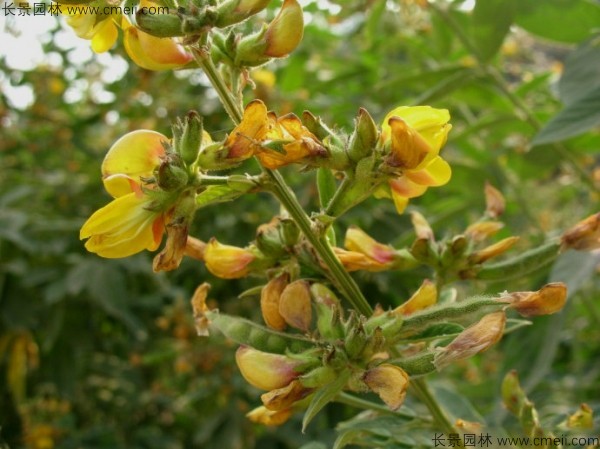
[102, 353]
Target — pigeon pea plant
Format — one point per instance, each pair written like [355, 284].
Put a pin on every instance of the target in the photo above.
[322, 340]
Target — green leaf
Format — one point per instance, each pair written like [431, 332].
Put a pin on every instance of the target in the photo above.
[323, 396]
[491, 22]
[569, 21]
[576, 118]
[326, 185]
[581, 72]
[217, 194]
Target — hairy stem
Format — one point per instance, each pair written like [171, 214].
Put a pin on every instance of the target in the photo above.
[286, 196]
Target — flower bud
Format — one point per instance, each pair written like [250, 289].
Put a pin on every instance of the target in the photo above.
[582, 418]
[424, 250]
[268, 239]
[191, 138]
[493, 250]
[270, 297]
[584, 236]
[494, 201]
[277, 40]
[264, 416]
[424, 297]
[364, 138]
[200, 308]
[474, 339]
[548, 300]
[422, 227]
[289, 232]
[356, 339]
[227, 262]
[285, 31]
[513, 395]
[264, 370]
[483, 230]
[159, 25]
[171, 174]
[283, 398]
[318, 377]
[234, 11]
[328, 311]
[359, 241]
[295, 305]
[354, 261]
[389, 382]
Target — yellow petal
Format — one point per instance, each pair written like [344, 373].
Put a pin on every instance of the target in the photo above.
[421, 118]
[359, 241]
[119, 185]
[285, 31]
[436, 174]
[253, 126]
[135, 155]
[408, 148]
[406, 188]
[400, 202]
[105, 36]
[226, 261]
[424, 297]
[123, 227]
[154, 53]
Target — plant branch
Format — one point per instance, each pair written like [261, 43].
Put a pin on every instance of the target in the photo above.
[286, 196]
[353, 401]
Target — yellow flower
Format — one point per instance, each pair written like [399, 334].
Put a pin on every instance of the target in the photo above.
[424, 297]
[151, 52]
[226, 261]
[129, 224]
[275, 141]
[101, 30]
[414, 136]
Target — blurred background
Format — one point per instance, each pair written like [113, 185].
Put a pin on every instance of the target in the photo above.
[99, 353]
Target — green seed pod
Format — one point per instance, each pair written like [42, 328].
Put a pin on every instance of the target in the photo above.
[462, 310]
[246, 332]
[416, 365]
[522, 265]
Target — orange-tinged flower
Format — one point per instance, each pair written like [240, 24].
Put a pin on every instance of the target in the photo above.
[353, 261]
[275, 141]
[285, 31]
[359, 241]
[154, 53]
[389, 382]
[265, 370]
[130, 223]
[226, 261]
[414, 136]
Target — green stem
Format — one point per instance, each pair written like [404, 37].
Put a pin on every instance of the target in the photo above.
[422, 390]
[285, 195]
[353, 401]
[501, 83]
[338, 273]
[202, 57]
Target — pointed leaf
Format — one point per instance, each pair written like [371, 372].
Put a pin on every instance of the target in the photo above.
[491, 22]
[576, 118]
[323, 396]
